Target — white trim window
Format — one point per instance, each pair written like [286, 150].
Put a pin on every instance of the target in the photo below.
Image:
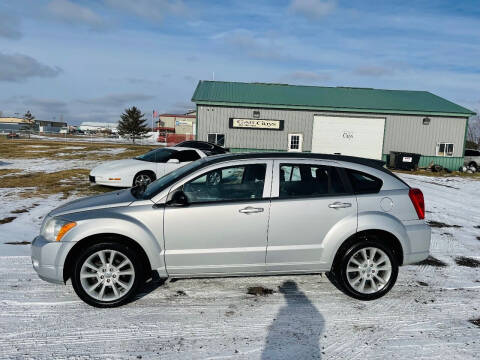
[295, 142]
[445, 149]
[217, 139]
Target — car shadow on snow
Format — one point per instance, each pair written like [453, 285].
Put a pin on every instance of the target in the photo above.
[295, 331]
[150, 286]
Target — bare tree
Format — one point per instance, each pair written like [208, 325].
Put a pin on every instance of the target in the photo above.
[473, 132]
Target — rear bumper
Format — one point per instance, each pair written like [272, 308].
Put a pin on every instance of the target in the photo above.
[419, 236]
[48, 259]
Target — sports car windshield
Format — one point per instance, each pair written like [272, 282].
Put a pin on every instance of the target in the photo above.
[160, 184]
[157, 155]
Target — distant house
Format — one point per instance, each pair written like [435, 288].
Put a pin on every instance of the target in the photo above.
[45, 126]
[177, 123]
[11, 124]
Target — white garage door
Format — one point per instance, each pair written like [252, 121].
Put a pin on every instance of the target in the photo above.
[353, 136]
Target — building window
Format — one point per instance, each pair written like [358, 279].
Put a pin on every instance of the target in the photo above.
[295, 142]
[256, 114]
[217, 139]
[445, 149]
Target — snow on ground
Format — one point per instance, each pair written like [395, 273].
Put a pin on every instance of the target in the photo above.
[425, 316]
[47, 165]
[28, 214]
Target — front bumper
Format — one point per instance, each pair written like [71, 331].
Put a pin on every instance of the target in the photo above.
[48, 258]
[419, 236]
[105, 180]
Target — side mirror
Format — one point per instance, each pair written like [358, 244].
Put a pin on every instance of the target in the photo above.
[173, 161]
[178, 199]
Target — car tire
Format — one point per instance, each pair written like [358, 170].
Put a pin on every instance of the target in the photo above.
[367, 270]
[117, 279]
[143, 178]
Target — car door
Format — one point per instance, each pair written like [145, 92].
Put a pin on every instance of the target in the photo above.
[310, 199]
[223, 228]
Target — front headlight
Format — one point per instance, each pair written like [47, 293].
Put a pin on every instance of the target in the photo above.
[54, 229]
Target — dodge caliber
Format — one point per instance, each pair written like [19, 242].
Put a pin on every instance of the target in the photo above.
[239, 215]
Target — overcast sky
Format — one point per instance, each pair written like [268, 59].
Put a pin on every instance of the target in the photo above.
[88, 60]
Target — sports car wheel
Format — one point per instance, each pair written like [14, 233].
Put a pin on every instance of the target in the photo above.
[143, 179]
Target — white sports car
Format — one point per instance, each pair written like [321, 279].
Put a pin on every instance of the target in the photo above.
[145, 168]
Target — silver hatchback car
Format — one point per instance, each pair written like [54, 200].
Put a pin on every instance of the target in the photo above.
[240, 215]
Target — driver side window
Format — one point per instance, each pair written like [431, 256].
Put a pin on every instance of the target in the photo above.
[243, 182]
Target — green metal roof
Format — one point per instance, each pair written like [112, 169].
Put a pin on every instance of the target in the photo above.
[343, 99]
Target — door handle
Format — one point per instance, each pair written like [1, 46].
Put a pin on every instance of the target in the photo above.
[339, 205]
[250, 210]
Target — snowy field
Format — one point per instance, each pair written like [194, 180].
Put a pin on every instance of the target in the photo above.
[425, 316]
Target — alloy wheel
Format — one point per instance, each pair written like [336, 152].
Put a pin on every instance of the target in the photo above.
[107, 275]
[369, 270]
[142, 179]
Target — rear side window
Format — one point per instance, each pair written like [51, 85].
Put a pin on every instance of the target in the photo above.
[300, 180]
[363, 183]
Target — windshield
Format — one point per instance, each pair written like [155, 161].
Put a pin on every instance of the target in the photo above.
[157, 155]
[162, 183]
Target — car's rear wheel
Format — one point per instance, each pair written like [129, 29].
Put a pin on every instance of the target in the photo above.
[107, 274]
[143, 178]
[366, 271]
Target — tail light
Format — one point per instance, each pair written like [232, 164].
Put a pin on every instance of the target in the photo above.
[416, 196]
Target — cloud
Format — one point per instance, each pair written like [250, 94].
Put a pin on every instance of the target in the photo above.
[306, 77]
[9, 27]
[41, 108]
[154, 10]
[374, 71]
[19, 67]
[46, 105]
[246, 42]
[117, 100]
[143, 82]
[180, 107]
[313, 9]
[70, 12]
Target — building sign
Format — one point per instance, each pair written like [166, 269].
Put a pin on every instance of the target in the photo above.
[348, 135]
[256, 124]
[182, 123]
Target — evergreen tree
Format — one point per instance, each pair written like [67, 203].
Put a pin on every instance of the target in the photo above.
[132, 124]
[29, 125]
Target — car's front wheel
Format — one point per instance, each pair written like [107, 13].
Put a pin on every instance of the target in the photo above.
[366, 271]
[143, 178]
[107, 274]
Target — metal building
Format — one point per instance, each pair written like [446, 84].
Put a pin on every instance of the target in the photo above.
[349, 121]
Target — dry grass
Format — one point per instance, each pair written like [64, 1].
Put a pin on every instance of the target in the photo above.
[28, 149]
[6, 172]
[66, 182]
